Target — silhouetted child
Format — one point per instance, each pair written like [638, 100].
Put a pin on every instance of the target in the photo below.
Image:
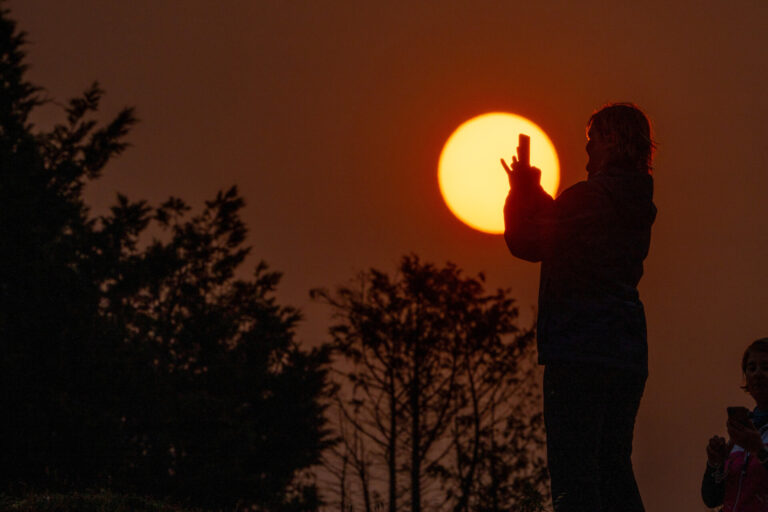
[737, 471]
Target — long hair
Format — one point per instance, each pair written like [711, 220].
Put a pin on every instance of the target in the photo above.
[631, 130]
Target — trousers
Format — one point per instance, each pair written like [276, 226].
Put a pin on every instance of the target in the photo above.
[589, 414]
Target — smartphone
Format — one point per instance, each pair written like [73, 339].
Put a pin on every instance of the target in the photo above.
[740, 414]
[524, 150]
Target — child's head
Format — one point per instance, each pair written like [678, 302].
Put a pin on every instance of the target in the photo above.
[754, 367]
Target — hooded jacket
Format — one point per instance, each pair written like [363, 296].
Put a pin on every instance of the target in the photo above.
[591, 241]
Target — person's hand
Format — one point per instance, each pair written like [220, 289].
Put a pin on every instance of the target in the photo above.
[746, 436]
[521, 172]
[717, 451]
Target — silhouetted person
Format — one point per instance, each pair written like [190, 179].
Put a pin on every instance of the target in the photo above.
[592, 241]
[737, 472]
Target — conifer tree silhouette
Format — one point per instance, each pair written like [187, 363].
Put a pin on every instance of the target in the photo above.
[136, 363]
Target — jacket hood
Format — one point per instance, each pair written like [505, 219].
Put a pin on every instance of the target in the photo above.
[631, 194]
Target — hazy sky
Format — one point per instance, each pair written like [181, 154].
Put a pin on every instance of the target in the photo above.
[330, 117]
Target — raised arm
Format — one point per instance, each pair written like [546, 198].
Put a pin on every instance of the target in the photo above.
[528, 214]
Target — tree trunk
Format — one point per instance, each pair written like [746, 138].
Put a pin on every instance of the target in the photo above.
[343, 489]
[415, 439]
[362, 471]
[366, 491]
[392, 460]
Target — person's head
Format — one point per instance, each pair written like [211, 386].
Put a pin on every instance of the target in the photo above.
[620, 134]
[754, 366]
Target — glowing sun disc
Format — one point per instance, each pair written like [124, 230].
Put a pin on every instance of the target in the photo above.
[473, 182]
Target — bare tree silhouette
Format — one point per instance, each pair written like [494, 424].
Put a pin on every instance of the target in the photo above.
[437, 399]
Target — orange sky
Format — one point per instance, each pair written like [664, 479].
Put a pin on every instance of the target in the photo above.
[330, 117]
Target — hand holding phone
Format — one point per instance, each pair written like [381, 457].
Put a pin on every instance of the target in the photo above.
[740, 415]
[521, 169]
[524, 150]
[743, 431]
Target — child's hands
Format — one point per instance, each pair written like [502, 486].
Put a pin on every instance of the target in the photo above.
[717, 451]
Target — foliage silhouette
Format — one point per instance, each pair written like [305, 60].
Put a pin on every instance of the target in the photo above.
[438, 401]
[133, 362]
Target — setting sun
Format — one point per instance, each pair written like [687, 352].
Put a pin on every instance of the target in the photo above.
[472, 180]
